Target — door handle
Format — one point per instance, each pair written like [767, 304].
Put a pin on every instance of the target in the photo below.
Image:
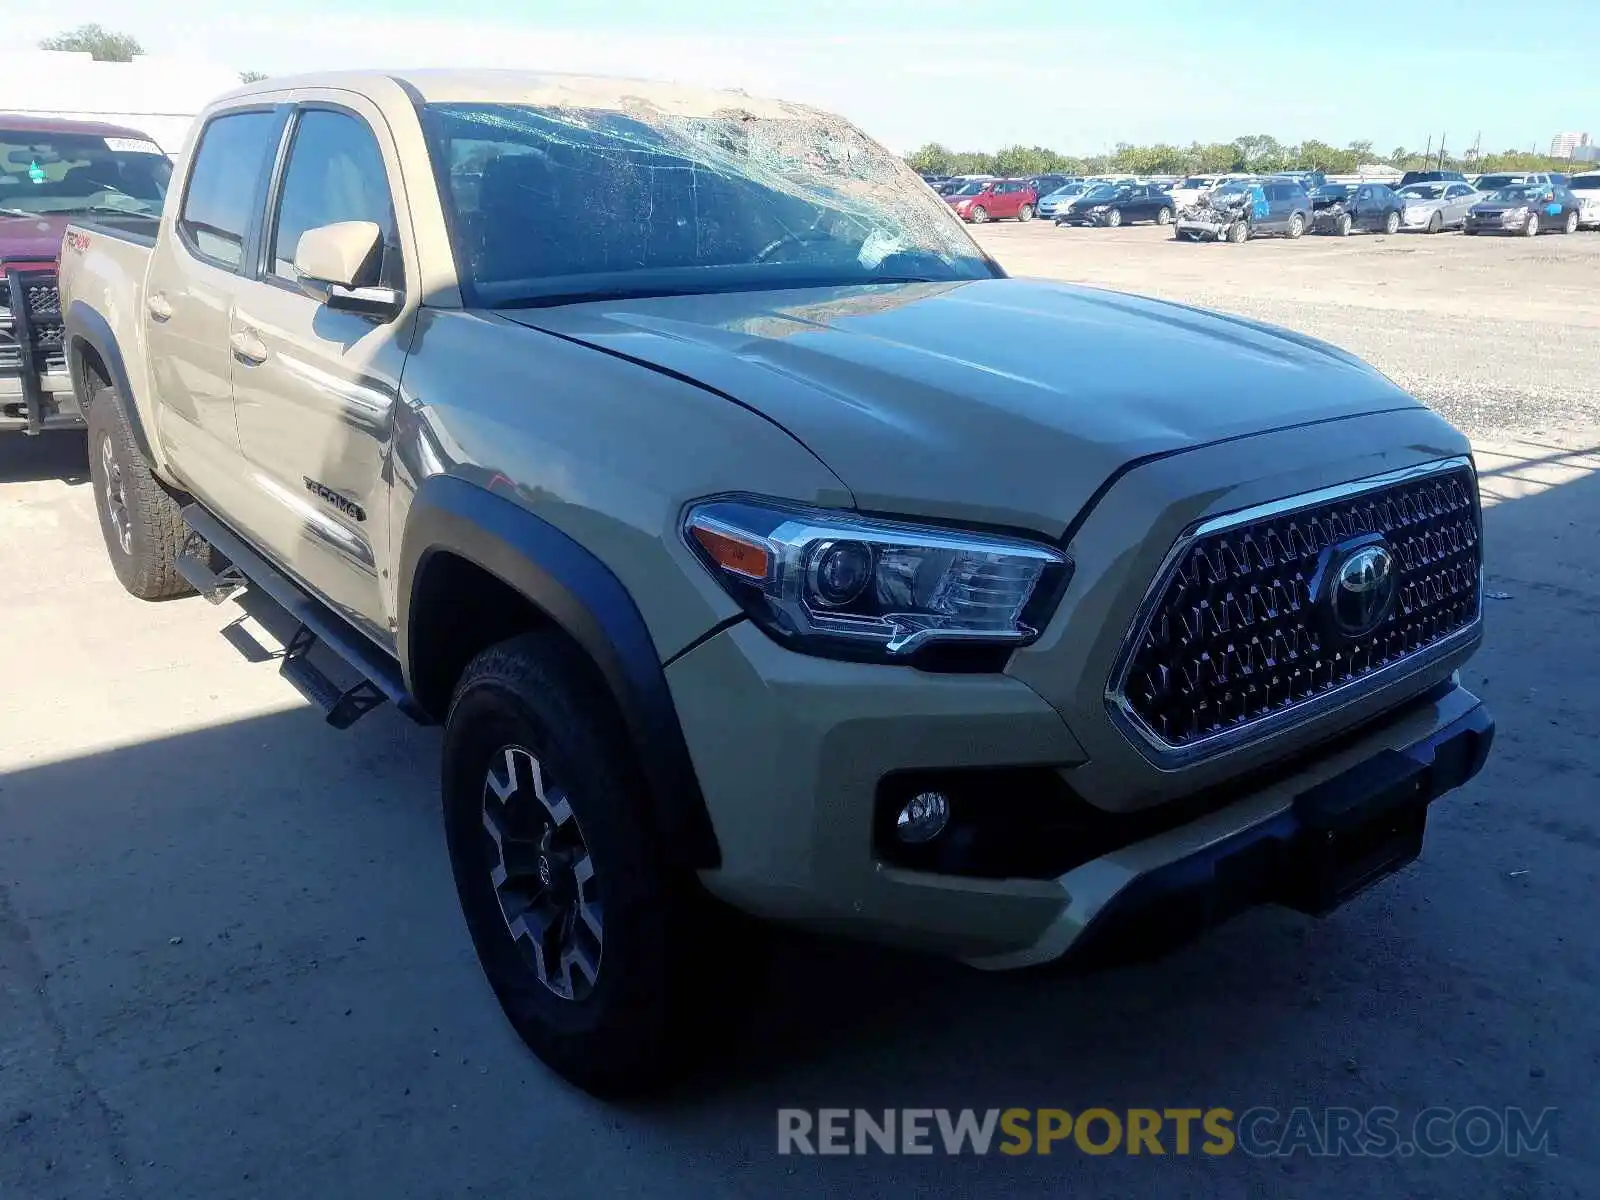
[158, 307]
[247, 347]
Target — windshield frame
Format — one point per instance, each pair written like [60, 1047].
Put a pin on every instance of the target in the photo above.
[886, 224]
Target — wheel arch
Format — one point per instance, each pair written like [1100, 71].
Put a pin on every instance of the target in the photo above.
[93, 353]
[461, 539]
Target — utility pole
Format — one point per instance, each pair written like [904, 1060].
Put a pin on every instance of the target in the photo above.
[1427, 155]
[1442, 136]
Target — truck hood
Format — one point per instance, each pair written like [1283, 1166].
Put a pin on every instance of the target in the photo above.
[1003, 401]
[32, 237]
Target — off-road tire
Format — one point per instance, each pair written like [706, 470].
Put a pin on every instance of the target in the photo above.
[634, 1028]
[147, 567]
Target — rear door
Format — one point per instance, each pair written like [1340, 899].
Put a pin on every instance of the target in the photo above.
[1007, 199]
[194, 276]
[314, 387]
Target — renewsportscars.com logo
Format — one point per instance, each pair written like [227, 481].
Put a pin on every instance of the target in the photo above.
[1261, 1132]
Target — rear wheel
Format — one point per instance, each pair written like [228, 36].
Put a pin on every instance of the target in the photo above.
[1297, 225]
[143, 528]
[1572, 223]
[1025, 213]
[588, 939]
[1391, 223]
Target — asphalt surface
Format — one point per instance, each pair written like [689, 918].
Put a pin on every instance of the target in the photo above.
[231, 962]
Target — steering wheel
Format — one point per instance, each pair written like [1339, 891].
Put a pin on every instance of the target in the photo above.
[794, 239]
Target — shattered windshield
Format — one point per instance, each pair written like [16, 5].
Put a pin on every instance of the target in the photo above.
[80, 173]
[555, 204]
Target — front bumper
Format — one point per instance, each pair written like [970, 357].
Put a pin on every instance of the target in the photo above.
[792, 753]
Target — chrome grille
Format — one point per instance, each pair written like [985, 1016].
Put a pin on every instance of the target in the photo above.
[1237, 631]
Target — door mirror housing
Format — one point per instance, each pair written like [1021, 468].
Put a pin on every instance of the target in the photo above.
[339, 264]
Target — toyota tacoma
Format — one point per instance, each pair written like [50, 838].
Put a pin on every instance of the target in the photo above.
[761, 546]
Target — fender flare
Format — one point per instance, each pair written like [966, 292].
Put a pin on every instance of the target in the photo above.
[580, 595]
[86, 327]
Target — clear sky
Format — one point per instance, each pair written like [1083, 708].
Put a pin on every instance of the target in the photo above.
[1078, 77]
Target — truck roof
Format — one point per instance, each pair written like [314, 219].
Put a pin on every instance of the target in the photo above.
[545, 89]
[33, 123]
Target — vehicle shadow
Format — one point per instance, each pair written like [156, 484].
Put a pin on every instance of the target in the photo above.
[250, 941]
[59, 454]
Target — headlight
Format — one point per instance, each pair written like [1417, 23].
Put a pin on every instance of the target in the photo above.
[833, 583]
[1100, 208]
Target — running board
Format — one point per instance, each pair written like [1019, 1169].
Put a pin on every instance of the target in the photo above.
[380, 677]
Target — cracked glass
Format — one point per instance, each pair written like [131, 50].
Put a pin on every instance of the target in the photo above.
[556, 205]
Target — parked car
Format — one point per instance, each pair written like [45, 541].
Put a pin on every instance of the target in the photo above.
[1371, 206]
[1330, 194]
[1050, 206]
[1435, 206]
[1043, 185]
[1411, 177]
[1525, 209]
[994, 200]
[988, 725]
[1505, 179]
[1587, 190]
[50, 172]
[1310, 180]
[1118, 204]
[1241, 209]
[1189, 189]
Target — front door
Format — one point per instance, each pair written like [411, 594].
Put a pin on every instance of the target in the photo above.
[191, 284]
[315, 388]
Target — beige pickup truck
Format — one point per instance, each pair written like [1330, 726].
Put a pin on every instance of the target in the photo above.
[760, 545]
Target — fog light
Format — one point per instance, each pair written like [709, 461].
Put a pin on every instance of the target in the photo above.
[923, 818]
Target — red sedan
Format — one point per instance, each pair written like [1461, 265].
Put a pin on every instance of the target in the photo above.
[994, 200]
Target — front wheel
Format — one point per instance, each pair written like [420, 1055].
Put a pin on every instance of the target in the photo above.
[1343, 225]
[1391, 223]
[1297, 225]
[143, 528]
[978, 215]
[581, 929]
[1164, 216]
[1238, 233]
[1025, 213]
[1436, 222]
[1114, 218]
[1531, 229]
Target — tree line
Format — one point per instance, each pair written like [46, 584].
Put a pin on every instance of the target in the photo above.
[1255, 152]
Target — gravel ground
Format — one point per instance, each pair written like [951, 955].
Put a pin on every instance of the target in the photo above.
[1500, 334]
[231, 963]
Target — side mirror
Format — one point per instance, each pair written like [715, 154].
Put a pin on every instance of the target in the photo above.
[339, 264]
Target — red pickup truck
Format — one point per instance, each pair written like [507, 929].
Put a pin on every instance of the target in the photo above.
[53, 172]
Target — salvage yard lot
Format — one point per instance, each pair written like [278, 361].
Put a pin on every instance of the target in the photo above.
[231, 962]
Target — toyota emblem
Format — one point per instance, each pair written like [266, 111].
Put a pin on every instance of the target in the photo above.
[1363, 591]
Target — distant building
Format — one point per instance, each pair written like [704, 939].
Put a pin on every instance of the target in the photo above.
[1563, 144]
[155, 95]
[1586, 154]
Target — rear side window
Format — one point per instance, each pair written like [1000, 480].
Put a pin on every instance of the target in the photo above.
[335, 173]
[219, 206]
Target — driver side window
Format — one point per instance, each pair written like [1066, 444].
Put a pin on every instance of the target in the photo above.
[335, 173]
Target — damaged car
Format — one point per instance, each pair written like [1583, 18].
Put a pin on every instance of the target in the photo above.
[1525, 209]
[1372, 206]
[1242, 209]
